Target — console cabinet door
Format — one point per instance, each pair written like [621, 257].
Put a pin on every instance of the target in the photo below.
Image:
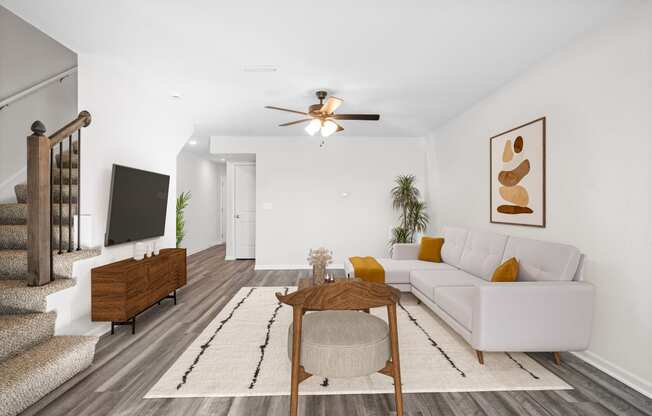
[178, 264]
[161, 280]
[136, 291]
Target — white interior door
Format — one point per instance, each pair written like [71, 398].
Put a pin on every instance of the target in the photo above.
[245, 211]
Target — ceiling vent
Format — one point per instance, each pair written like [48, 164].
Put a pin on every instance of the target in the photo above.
[259, 68]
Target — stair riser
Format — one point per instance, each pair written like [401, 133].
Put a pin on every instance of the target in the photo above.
[16, 214]
[13, 214]
[27, 331]
[14, 237]
[65, 161]
[36, 372]
[65, 174]
[21, 194]
[13, 266]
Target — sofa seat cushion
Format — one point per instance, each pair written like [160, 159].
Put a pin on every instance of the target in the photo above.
[424, 283]
[457, 302]
[342, 343]
[398, 271]
[437, 278]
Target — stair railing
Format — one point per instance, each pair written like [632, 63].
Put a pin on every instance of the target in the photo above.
[40, 196]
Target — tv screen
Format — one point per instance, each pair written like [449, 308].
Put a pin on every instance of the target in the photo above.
[138, 205]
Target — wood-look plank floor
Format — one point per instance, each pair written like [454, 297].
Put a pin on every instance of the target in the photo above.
[126, 366]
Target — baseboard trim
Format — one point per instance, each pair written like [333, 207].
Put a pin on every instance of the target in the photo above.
[229, 258]
[292, 267]
[635, 382]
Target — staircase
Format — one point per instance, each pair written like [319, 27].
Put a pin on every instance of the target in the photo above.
[33, 361]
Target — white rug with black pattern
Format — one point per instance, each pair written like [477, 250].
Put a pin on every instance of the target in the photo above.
[243, 352]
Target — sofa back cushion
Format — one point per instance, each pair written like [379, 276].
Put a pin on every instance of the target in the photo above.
[542, 260]
[454, 239]
[483, 253]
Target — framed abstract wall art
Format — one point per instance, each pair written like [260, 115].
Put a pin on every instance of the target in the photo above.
[517, 160]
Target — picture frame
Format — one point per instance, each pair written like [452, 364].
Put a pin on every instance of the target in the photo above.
[517, 175]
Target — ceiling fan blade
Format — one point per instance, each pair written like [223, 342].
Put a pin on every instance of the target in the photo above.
[371, 117]
[295, 122]
[339, 128]
[285, 109]
[331, 105]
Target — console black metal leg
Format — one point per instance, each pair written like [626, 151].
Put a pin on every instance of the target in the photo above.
[175, 297]
[131, 322]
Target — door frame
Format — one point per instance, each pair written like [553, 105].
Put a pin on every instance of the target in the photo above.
[222, 209]
[232, 205]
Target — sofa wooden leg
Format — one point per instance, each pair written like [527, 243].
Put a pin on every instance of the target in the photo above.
[480, 357]
[557, 356]
[418, 301]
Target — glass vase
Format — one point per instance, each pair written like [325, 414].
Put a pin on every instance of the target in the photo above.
[318, 274]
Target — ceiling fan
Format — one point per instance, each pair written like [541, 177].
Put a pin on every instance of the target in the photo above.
[322, 116]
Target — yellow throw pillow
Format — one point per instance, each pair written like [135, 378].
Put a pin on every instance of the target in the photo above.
[430, 249]
[506, 272]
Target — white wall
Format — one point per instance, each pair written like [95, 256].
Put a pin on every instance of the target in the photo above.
[21, 45]
[597, 97]
[135, 123]
[201, 177]
[303, 183]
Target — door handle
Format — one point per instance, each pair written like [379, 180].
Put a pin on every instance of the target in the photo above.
[237, 215]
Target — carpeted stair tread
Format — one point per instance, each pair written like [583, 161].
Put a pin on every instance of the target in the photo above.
[13, 263]
[21, 332]
[13, 214]
[29, 376]
[17, 298]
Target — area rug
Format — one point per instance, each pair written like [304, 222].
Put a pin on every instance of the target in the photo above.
[243, 352]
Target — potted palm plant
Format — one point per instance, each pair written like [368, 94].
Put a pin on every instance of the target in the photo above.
[182, 203]
[413, 212]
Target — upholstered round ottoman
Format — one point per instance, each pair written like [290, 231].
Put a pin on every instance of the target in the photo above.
[342, 343]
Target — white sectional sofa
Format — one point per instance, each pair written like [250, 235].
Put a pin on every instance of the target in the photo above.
[548, 308]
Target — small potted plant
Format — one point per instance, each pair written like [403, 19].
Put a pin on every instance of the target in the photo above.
[319, 259]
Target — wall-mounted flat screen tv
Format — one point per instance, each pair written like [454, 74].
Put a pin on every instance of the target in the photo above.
[138, 205]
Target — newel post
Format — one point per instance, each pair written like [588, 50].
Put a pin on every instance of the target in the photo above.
[38, 206]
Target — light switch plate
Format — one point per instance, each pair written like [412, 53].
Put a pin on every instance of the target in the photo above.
[267, 206]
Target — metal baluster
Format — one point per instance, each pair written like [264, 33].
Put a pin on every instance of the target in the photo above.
[51, 213]
[70, 149]
[60, 195]
[79, 189]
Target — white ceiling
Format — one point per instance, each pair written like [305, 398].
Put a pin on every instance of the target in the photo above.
[416, 63]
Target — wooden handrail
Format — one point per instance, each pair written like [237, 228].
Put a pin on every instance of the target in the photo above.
[83, 120]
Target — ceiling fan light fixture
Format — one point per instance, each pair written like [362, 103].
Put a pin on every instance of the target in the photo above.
[328, 128]
[314, 126]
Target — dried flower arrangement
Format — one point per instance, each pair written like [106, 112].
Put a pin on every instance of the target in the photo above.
[319, 258]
